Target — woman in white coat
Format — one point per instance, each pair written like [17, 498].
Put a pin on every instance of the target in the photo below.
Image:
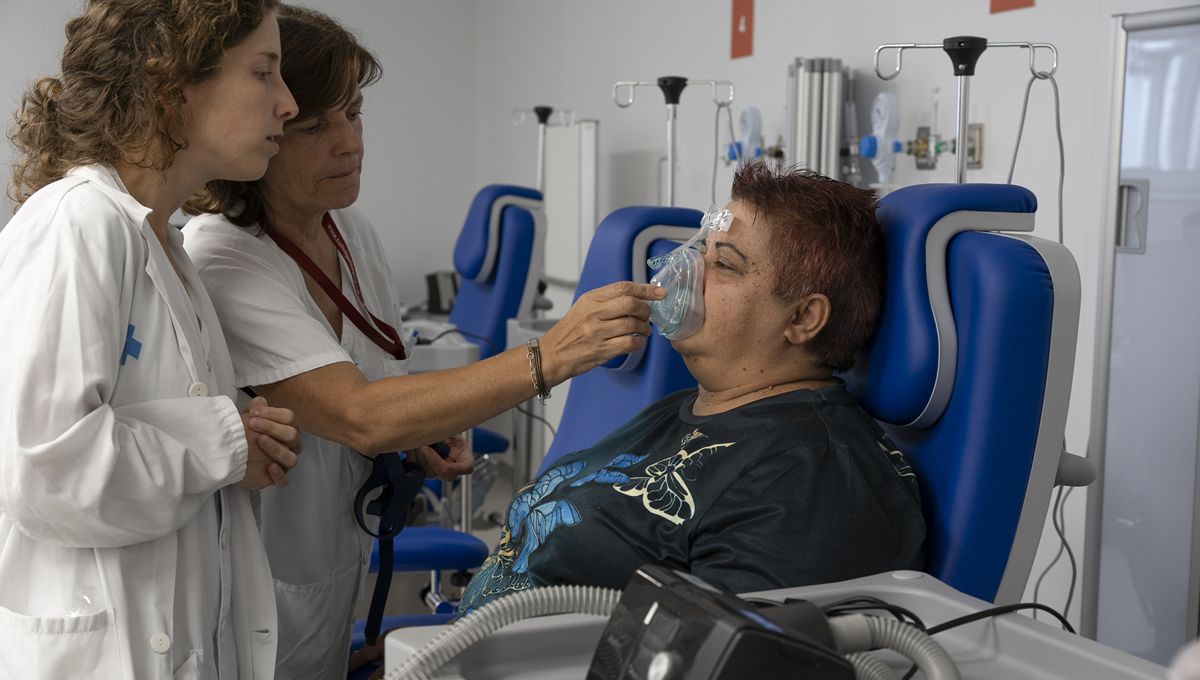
[291, 342]
[128, 544]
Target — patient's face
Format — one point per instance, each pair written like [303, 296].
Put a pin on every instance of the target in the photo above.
[742, 318]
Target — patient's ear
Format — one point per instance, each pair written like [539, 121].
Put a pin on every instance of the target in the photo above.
[809, 315]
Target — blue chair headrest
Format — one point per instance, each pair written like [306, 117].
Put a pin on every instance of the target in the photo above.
[622, 243]
[475, 250]
[907, 371]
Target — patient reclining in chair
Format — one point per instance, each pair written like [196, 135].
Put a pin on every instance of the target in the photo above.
[769, 474]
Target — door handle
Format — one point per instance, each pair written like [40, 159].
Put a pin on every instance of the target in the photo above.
[1131, 229]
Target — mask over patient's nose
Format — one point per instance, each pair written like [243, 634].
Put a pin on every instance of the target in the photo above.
[681, 313]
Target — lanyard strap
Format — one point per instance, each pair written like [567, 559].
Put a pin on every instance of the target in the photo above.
[399, 482]
[388, 340]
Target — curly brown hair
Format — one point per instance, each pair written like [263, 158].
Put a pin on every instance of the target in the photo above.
[119, 96]
[824, 239]
[322, 63]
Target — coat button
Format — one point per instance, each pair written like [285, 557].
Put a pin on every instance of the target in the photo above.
[160, 643]
[198, 390]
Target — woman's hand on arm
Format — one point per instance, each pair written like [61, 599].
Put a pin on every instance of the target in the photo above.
[273, 443]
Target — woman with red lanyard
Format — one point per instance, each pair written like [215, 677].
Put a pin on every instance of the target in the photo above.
[300, 282]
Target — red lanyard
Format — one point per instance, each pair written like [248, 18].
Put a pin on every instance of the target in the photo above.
[388, 340]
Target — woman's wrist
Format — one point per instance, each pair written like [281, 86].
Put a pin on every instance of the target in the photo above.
[552, 369]
[533, 355]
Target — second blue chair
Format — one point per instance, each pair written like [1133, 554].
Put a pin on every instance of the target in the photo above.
[606, 397]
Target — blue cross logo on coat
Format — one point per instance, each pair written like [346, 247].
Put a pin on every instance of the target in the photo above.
[133, 348]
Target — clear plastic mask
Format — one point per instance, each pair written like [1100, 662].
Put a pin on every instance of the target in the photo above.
[681, 313]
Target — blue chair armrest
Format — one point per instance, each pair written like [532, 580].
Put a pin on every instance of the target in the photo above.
[433, 548]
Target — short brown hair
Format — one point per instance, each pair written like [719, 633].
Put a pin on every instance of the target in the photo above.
[124, 68]
[824, 239]
[322, 63]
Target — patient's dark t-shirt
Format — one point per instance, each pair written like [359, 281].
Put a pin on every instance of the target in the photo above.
[790, 490]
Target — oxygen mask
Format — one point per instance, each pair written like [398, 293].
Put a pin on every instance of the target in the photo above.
[681, 313]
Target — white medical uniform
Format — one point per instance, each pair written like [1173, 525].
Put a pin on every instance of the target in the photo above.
[124, 552]
[275, 330]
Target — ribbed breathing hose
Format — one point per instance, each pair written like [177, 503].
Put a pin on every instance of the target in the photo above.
[499, 613]
[860, 633]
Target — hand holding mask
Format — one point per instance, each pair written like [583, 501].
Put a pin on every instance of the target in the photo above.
[681, 313]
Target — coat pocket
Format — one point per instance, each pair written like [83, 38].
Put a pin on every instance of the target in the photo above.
[58, 647]
[190, 670]
[314, 626]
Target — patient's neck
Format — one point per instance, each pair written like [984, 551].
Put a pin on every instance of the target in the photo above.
[719, 400]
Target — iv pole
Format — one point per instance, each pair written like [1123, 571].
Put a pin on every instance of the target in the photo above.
[964, 51]
[566, 117]
[672, 87]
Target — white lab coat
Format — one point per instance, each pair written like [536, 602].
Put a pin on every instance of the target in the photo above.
[124, 552]
[275, 330]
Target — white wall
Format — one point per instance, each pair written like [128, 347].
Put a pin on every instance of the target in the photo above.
[418, 175]
[569, 54]
[419, 171]
[32, 35]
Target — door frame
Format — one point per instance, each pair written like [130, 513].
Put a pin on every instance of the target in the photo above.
[1122, 25]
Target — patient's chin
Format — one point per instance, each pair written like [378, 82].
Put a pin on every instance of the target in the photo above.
[681, 346]
[692, 356]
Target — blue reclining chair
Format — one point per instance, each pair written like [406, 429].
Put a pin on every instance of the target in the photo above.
[606, 397]
[498, 256]
[499, 259]
[970, 372]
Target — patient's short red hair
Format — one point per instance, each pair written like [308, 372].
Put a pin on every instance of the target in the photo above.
[823, 239]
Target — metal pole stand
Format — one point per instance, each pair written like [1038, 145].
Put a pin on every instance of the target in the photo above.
[672, 88]
[543, 113]
[964, 52]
